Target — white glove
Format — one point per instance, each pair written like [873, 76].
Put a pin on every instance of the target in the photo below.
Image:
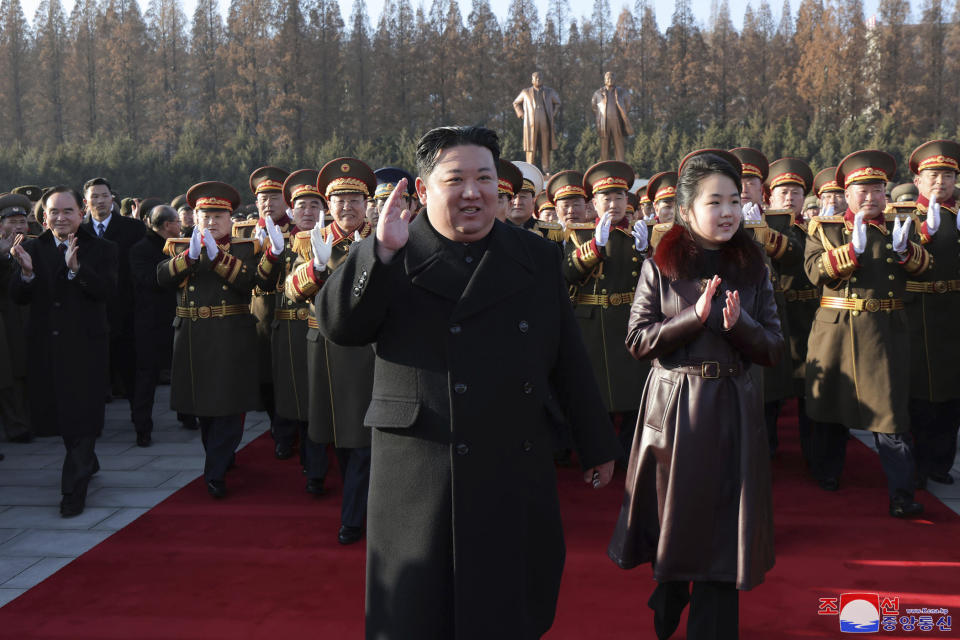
[322, 249]
[602, 232]
[751, 213]
[639, 234]
[276, 237]
[901, 233]
[211, 245]
[933, 216]
[195, 243]
[859, 238]
[827, 211]
[290, 213]
[260, 234]
[356, 235]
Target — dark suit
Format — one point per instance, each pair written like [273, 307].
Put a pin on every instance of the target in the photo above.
[124, 232]
[67, 339]
[153, 316]
[13, 358]
[468, 353]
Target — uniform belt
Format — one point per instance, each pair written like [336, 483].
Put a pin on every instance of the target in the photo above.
[218, 311]
[604, 299]
[705, 369]
[292, 314]
[800, 295]
[861, 304]
[937, 286]
[312, 322]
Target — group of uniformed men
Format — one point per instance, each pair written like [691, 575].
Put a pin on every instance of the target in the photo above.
[866, 289]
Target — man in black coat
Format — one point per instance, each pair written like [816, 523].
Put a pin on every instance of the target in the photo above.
[101, 222]
[477, 355]
[154, 311]
[67, 276]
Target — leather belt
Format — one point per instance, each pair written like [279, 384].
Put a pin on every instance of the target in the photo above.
[707, 369]
[292, 314]
[800, 295]
[217, 311]
[312, 322]
[604, 299]
[937, 286]
[861, 304]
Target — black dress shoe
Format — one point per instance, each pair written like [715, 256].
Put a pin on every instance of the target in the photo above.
[233, 462]
[217, 488]
[283, 451]
[942, 478]
[668, 601]
[190, 424]
[144, 439]
[72, 504]
[1, 456]
[349, 535]
[315, 486]
[902, 506]
[829, 484]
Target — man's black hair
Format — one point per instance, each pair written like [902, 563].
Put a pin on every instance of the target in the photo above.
[441, 138]
[94, 182]
[61, 189]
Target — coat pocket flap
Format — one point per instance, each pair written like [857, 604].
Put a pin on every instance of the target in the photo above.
[391, 413]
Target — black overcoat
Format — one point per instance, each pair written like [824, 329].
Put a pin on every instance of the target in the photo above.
[464, 535]
[67, 337]
[155, 306]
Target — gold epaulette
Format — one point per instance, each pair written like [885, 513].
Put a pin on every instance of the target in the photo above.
[652, 222]
[582, 225]
[174, 246]
[890, 214]
[549, 225]
[237, 226]
[754, 224]
[778, 212]
[899, 207]
[301, 245]
[256, 243]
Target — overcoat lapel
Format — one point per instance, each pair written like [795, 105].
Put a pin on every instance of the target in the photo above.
[423, 261]
[504, 269]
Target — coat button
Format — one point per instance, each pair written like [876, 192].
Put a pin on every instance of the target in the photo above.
[468, 259]
[527, 445]
[524, 326]
[634, 258]
[462, 449]
[602, 276]
[891, 277]
[889, 260]
[527, 388]
[56, 305]
[889, 294]
[192, 288]
[856, 313]
[889, 246]
[460, 388]
[634, 274]
[853, 295]
[454, 329]
[55, 332]
[853, 279]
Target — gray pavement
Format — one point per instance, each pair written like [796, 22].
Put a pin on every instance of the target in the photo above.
[35, 542]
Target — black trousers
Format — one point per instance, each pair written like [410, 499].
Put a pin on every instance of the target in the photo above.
[934, 426]
[771, 412]
[284, 430]
[313, 456]
[355, 471]
[714, 607]
[122, 357]
[829, 452]
[221, 436]
[266, 398]
[141, 401]
[79, 464]
[13, 409]
[827, 449]
[628, 428]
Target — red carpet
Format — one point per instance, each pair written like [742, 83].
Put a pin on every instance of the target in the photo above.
[265, 563]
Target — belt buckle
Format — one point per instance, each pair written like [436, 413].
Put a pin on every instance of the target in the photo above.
[710, 369]
[872, 305]
[301, 314]
[790, 295]
[203, 312]
[615, 298]
[940, 286]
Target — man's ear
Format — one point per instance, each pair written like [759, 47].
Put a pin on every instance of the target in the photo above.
[421, 190]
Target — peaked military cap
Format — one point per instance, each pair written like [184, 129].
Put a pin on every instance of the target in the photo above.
[34, 193]
[14, 204]
[753, 162]
[532, 178]
[811, 202]
[302, 183]
[936, 154]
[126, 207]
[826, 181]
[387, 180]
[542, 202]
[728, 157]
[607, 176]
[566, 184]
[146, 205]
[509, 178]
[790, 171]
[868, 165]
[644, 198]
[267, 179]
[179, 202]
[906, 192]
[662, 186]
[213, 195]
[632, 202]
[346, 175]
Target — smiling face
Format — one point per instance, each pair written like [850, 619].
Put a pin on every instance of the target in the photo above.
[572, 210]
[460, 194]
[867, 197]
[714, 215]
[613, 202]
[349, 210]
[936, 182]
[63, 214]
[665, 209]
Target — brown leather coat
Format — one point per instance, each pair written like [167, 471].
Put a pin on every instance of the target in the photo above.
[697, 502]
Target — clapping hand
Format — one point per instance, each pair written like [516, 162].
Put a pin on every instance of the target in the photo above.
[859, 236]
[640, 236]
[392, 227]
[706, 299]
[751, 213]
[901, 232]
[210, 244]
[933, 215]
[70, 257]
[731, 311]
[827, 211]
[195, 244]
[602, 232]
[21, 256]
[322, 248]
[276, 237]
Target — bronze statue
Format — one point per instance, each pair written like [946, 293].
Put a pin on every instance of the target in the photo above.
[538, 106]
[611, 105]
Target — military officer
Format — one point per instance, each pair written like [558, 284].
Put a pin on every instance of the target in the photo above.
[933, 306]
[547, 223]
[341, 378]
[521, 213]
[906, 192]
[567, 192]
[289, 327]
[858, 360]
[185, 213]
[13, 356]
[34, 193]
[387, 179]
[662, 192]
[604, 263]
[811, 207]
[214, 375]
[509, 183]
[832, 202]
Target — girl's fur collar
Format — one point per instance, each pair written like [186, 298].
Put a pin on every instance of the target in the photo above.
[679, 257]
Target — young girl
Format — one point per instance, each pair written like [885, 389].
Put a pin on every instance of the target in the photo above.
[697, 503]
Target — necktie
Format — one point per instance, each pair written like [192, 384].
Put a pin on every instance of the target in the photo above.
[63, 248]
[99, 229]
